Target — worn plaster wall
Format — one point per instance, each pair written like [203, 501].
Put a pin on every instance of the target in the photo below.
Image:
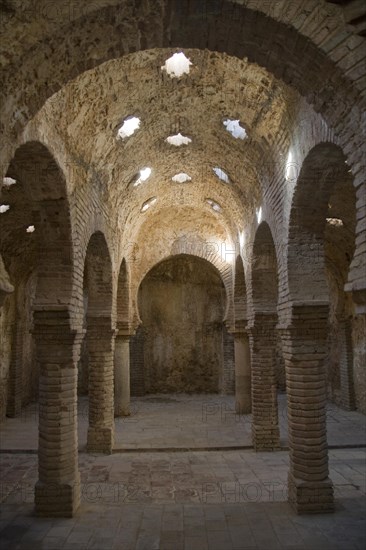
[7, 322]
[359, 361]
[19, 371]
[181, 305]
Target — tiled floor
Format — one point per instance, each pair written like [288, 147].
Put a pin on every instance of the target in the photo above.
[182, 421]
[187, 499]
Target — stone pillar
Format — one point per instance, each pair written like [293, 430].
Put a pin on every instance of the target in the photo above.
[263, 343]
[57, 492]
[346, 366]
[305, 349]
[14, 404]
[243, 398]
[100, 338]
[122, 375]
[137, 379]
[227, 374]
[5, 285]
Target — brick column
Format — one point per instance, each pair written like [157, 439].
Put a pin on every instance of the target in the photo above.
[137, 363]
[14, 404]
[263, 342]
[227, 375]
[122, 375]
[305, 348]
[100, 338]
[243, 398]
[5, 285]
[346, 366]
[57, 492]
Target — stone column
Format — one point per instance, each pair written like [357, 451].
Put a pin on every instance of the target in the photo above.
[243, 398]
[346, 366]
[305, 349]
[137, 379]
[122, 375]
[100, 338]
[5, 285]
[57, 491]
[14, 404]
[263, 342]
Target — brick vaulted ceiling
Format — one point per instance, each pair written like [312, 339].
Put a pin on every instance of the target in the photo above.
[88, 111]
[307, 44]
[302, 45]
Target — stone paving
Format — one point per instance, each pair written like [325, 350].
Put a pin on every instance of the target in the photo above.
[218, 499]
[185, 501]
[182, 421]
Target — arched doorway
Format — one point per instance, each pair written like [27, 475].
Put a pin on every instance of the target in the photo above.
[181, 303]
[36, 244]
[319, 255]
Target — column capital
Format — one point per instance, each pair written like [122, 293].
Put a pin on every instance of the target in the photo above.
[238, 327]
[55, 324]
[100, 326]
[261, 321]
[125, 330]
[309, 310]
[358, 291]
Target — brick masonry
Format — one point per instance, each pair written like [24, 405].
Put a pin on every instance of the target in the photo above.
[294, 73]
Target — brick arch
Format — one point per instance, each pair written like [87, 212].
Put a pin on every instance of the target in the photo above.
[98, 277]
[206, 252]
[39, 264]
[39, 198]
[264, 273]
[187, 325]
[240, 293]
[323, 189]
[235, 29]
[322, 170]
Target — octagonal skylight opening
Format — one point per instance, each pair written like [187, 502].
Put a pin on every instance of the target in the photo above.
[177, 65]
[144, 174]
[147, 204]
[258, 214]
[178, 139]
[214, 205]
[233, 126]
[182, 177]
[337, 222]
[129, 127]
[8, 182]
[221, 174]
[4, 208]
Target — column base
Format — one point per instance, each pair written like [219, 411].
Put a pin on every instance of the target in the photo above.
[266, 438]
[122, 411]
[57, 500]
[243, 407]
[100, 440]
[310, 497]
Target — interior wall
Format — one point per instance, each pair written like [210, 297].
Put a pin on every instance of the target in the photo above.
[181, 302]
[339, 239]
[7, 325]
[359, 361]
[19, 372]
[26, 344]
